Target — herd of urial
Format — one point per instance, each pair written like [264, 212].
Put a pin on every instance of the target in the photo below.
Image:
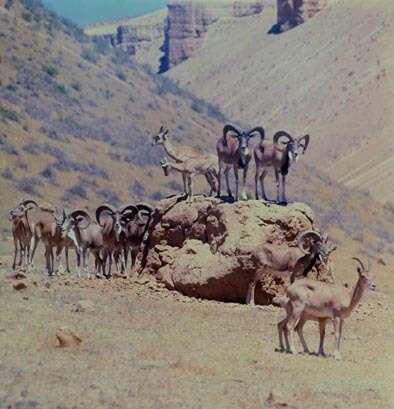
[120, 232]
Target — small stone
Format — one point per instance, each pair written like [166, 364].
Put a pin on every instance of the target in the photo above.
[20, 286]
[19, 276]
[84, 306]
[67, 338]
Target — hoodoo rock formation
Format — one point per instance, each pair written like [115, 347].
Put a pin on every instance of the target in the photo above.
[291, 13]
[188, 21]
[207, 249]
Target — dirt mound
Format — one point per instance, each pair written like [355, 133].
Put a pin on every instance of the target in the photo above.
[206, 249]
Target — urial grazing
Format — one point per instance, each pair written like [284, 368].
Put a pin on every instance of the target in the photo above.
[278, 156]
[21, 233]
[112, 222]
[186, 154]
[233, 153]
[308, 299]
[293, 262]
[189, 169]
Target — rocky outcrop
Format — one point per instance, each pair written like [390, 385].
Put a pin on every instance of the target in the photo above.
[207, 249]
[141, 37]
[188, 21]
[291, 13]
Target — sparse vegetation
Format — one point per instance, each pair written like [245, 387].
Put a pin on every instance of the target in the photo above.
[8, 114]
[89, 55]
[50, 70]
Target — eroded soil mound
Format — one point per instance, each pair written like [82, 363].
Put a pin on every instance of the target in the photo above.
[206, 249]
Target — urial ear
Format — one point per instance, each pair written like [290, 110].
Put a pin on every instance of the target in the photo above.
[304, 142]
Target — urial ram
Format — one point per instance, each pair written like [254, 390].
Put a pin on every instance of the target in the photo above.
[184, 154]
[233, 153]
[308, 299]
[279, 156]
[113, 223]
[189, 169]
[21, 233]
[293, 262]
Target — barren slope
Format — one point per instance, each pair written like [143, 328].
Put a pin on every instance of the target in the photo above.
[332, 77]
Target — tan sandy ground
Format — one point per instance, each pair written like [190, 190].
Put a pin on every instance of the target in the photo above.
[144, 347]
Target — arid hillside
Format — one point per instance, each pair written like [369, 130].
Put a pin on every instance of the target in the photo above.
[76, 125]
[332, 76]
[76, 118]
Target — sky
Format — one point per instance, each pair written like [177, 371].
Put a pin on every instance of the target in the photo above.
[85, 12]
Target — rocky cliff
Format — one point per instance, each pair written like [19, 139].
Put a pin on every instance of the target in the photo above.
[141, 37]
[188, 21]
[207, 249]
[291, 13]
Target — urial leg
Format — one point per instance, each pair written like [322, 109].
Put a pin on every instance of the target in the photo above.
[278, 198]
[236, 176]
[338, 324]
[299, 329]
[322, 331]
[283, 186]
[244, 196]
[184, 184]
[15, 254]
[262, 177]
[282, 327]
[227, 177]
[219, 191]
[296, 312]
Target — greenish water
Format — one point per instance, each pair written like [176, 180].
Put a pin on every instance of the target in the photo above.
[91, 11]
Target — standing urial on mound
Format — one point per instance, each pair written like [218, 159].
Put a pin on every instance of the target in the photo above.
[208, 248]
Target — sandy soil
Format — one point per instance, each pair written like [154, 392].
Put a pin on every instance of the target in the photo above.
[145, 347]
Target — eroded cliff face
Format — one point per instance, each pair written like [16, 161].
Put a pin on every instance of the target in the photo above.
[188, 21]
[291, 13]
[141, 37]
[208, 249]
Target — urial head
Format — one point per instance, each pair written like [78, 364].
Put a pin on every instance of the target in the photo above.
[118, 217]
[74, 222]
[165, 166]
[313, 243]
[295, 146]
[160, 137]
[243, 138]
[364, 275]
[22, 208]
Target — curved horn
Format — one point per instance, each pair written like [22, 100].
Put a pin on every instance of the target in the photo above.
[306, 138]
[362, 269]
[126, 210]
[80, 215]
[282, 134]
[303, 236]
[227, 129]
[27, 202]
[258, 129]
[105, 207]
[145, 207]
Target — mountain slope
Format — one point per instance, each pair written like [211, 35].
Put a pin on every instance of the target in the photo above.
[76, 118]
[333, 77]
[76, 125]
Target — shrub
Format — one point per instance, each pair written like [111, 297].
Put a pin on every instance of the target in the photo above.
[121, 75]
[49, 173]
[89, 55]
[156, 196]
[76, 86]
[198, 105]
[50, 70]
[6, 113]
[11, 87]
[7, 147]
[61, 89]
[109, 196]
[137, 189]
[7, 174]
[28, 185]
[78, 190]
[101, 45]
[120, 57]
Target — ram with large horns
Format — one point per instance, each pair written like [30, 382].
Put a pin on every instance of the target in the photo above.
[279, 155]
[113, 223]
[290, 262]
[234, 153]
[21, 232]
